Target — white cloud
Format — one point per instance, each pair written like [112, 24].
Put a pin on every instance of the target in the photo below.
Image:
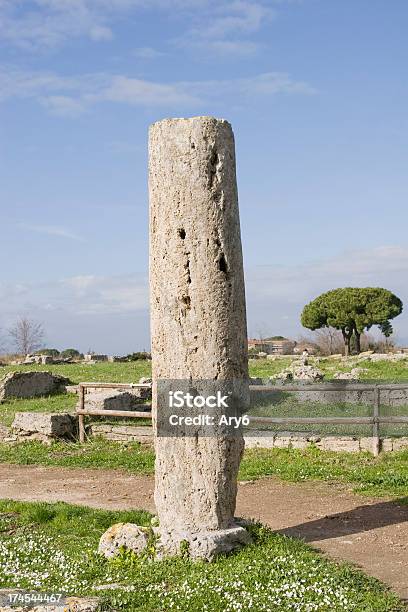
[99, 309]
[230, 47]
[147, 53]
[63, 106]
[239, 17]
[273, 290]
[100, 33]
[137, 91]
[52, 230]
[70, 96]
[385, 264]
[51, 23]
[225, 28]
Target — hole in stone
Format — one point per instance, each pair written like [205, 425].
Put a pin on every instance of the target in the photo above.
[213, 166]
[182, 233]
[217, 242]
[187, 267]
[192, 145]
[222, 264]
[186, 300]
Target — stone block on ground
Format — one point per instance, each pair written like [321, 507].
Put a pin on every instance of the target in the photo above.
[116, 400]
[127, 433]
[367, 444]
[30, 384]
[298, 371]
[346, 444]
[126, 535]
[72, 388]
[387, 445]
[4, 432]
[259, 439]
[43, 426]
[399, 444]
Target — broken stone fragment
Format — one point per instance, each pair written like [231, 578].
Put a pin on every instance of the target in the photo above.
[123, 535]
[31, 384]
[43, 426]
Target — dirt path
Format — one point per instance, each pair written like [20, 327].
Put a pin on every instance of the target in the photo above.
[371, 533]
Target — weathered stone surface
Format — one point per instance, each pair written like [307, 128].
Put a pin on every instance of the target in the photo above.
[300, 371]
[4, 432]
[399, 444]
[386, 445]
[127, 433]
[346, 444]
[260, 439]
[116, 400]
[127, 535]
[367, 444]
[353, 375]
[41, 425]
[205, 544]
[198, 318]
[30, 384]
[72, 388]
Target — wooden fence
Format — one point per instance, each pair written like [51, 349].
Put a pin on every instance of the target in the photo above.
[375, 420]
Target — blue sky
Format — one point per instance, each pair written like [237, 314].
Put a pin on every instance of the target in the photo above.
[316, 91]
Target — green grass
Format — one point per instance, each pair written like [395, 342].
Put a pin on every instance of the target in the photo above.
[99, 372]
[386, 475]
[381, 370]
[52, 547]
[262, 368]
[62, 402]
[76, 372]
[98, 453]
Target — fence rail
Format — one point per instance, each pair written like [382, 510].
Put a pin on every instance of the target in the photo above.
[375, 420]
[82, 411]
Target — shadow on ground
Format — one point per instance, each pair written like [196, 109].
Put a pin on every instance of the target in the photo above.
[358, 520]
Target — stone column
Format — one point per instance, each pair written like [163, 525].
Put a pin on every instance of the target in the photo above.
[198, 322]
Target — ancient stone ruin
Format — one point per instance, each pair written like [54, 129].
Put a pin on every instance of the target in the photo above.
[30, 384]
[44, 427]
[198, 322]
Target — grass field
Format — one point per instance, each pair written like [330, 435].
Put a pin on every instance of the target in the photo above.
[386, 475]
[262, 368]
[52, 547]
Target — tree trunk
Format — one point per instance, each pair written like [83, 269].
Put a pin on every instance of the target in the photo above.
[358, 341]
[346, 338]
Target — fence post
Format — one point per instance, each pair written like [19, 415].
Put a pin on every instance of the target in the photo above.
[376, 424]
[81, 422]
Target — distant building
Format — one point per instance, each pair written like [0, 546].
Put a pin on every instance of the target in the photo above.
[272, 346]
